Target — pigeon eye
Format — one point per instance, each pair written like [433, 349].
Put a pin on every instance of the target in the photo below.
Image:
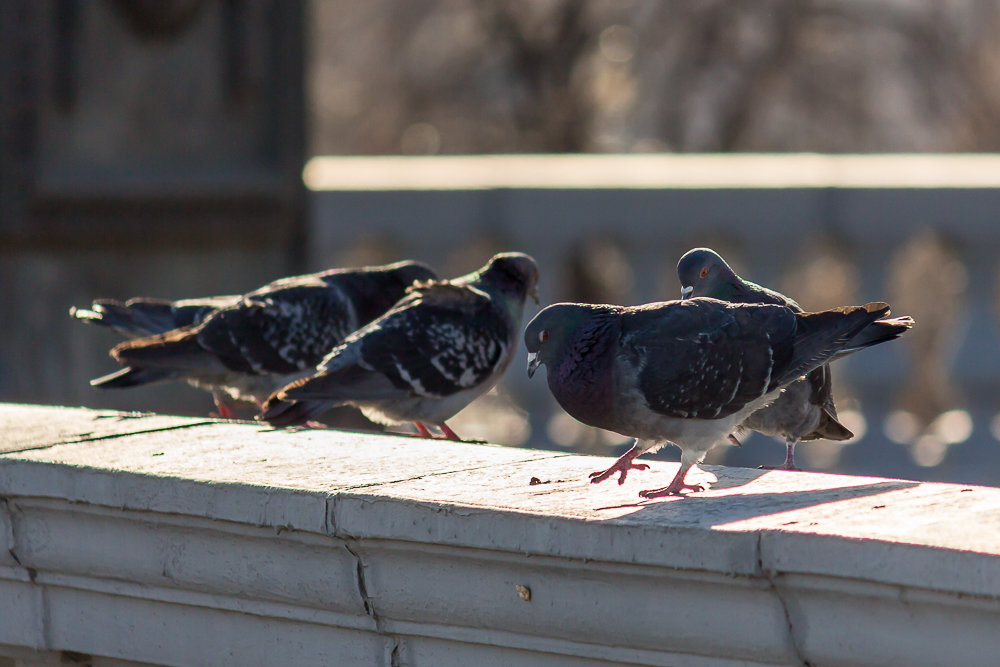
[543, 336]
[704, 272]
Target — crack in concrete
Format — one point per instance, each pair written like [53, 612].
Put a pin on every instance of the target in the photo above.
[11, 536]
[13, 513]
[329, 519]
[450, 472]
[368, 603]
[768, 576]
[393, 649]
[109, 436]
[394, 657]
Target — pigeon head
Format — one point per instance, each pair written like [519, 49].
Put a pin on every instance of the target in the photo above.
[703, 272]
[548, 333]
[513, 273]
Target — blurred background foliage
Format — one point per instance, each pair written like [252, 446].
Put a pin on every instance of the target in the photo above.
[522, 76]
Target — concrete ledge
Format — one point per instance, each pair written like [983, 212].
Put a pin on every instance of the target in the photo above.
[148, 539]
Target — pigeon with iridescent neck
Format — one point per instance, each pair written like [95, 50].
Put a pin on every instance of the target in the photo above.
[685, 372]
[442, 346]
[805, 410]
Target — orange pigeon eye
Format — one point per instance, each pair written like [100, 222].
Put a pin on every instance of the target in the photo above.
[704, 272]
[543, 336]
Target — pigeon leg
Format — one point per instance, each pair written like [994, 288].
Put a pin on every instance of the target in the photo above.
[789, 463]
[622, 465]
[423, 430]
[224, 410]
[675, 487]
[448, 433]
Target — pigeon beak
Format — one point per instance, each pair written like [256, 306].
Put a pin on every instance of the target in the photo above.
[686, 291]
[533, 293]
[533, 363]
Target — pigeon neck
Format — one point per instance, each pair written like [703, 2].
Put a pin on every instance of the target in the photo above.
[581, 379]
[727, 290]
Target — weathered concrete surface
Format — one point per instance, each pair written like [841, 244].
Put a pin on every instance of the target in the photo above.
[349, 548]
[37, 427]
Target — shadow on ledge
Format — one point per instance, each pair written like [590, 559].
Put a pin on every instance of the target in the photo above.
[709, 511]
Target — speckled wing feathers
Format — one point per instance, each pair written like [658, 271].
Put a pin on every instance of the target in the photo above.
[706, 362]
[283, 332]
[452, 342]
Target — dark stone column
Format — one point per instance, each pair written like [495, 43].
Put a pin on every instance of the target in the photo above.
[149, 147]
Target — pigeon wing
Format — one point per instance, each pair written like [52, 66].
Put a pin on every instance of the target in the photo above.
[284, 331]
[707, 361]
[440, 347]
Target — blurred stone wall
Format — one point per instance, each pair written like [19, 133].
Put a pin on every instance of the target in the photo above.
[148, 148]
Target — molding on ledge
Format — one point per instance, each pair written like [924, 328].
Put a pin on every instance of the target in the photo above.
[258, 546]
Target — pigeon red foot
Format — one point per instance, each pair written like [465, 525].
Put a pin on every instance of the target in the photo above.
[676, 486]
[789, 463]
[224, 410]
[425, 432]
[673, 489]
[622, 465]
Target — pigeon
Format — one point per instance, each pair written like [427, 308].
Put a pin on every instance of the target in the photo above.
[259, 342]
[687, 372]
[805, 410]
[446, 343]
[142, 316]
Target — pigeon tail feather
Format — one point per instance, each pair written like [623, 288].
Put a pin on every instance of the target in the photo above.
[279, 412]
[135, 318]
[131, 377]
[829, 428]
[879, 331]
[821, 335]
[348, 383]
[175, 349]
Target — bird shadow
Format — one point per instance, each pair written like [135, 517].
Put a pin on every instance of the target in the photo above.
[711, 510]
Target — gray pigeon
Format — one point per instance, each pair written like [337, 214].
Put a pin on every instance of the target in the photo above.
[805, 410]
[143, 316]
[438, 349]
[686, 372]
[268, 337]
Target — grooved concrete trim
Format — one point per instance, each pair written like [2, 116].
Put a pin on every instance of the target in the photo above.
[122, 533]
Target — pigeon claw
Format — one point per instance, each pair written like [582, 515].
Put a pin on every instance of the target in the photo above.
[448, 433]
[674, 489]
[620, 466]
[422, 430]
[425, 432]
[224, 410]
